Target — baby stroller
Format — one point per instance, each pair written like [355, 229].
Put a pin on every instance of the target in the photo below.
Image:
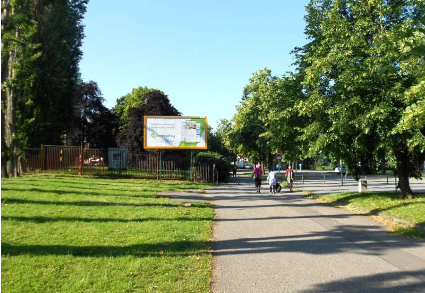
[278, 187]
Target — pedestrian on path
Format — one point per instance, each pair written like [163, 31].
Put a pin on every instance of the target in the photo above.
[272, 181]
[258, 176]
[235, 169]
[290, 177]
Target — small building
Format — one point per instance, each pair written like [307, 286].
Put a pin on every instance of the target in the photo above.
[117, 158]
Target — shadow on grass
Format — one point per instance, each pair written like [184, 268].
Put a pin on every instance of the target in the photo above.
[100, 220]
[120, 193]
[367, 240]
[416, 231]
[87, 203]
[130, 183]
[178, 248]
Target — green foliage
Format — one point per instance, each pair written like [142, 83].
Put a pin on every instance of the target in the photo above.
[267, 119]
[216, 141]
[357, 94]
[71, 234]
[135, 99]
[412, 121]
[60, 34]
[157, 103]
[355, 82]
[246, 134]
[221, 164]
[94, 125]
[19, 57]
[41, 43]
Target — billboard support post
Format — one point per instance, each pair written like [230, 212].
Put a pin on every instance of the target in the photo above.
[160, 165]
[191, 165]
[157, 165]
[175, 133]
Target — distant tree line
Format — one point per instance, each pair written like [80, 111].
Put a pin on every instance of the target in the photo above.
[357, 94]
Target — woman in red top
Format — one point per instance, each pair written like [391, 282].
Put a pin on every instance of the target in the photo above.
[258, 176]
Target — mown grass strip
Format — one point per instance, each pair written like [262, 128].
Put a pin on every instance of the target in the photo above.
[382, 204]
[71, 234]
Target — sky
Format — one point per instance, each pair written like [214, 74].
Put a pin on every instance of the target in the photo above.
[201, 53]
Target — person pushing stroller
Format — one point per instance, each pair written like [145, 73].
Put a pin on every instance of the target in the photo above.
[272, 181]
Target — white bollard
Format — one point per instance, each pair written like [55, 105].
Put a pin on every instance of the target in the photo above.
[362, 185]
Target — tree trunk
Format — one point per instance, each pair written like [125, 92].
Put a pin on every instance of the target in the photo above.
[404, 173]
[4, 76]
[4, 149]
[270, 158]
[11, 101]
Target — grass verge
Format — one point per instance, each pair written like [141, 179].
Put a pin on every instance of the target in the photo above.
[70, 234]
[403, 216]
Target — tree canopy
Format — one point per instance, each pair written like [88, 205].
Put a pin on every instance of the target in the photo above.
[136, 98]
[156, 103]
[357, 93]
[41, 43]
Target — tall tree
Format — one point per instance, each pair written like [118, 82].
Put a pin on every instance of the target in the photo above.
[94, 124]
[18, 56]
[354, 81]
[136, 98]
[279, 114]
[413, 116]
[247, 137]
[60, 32]
[156, 103]
[267, 119]
[41, 43]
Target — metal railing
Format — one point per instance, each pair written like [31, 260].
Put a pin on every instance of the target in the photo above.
[119, 162]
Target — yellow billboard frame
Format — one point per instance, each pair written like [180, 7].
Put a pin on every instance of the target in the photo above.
[145, 117]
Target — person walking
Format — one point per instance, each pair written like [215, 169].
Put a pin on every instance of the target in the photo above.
[258, 176]
[272, 181]
[235, 169]
[290, 177]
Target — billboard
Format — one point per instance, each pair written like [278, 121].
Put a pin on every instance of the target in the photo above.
[175, 132]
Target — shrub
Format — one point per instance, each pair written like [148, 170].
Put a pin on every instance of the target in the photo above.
[222, 165]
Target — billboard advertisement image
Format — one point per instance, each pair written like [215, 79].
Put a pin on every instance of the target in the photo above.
[175, 132]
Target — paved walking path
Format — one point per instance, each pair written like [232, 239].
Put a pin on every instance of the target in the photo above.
[288, 243]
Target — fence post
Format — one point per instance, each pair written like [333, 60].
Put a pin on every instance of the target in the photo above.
[42, 158]
[324, 179]
[60, 158]
[80, 162]
[302, 178]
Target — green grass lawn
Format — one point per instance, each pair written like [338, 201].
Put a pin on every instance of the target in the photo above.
[70, 234]
[387, 203]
